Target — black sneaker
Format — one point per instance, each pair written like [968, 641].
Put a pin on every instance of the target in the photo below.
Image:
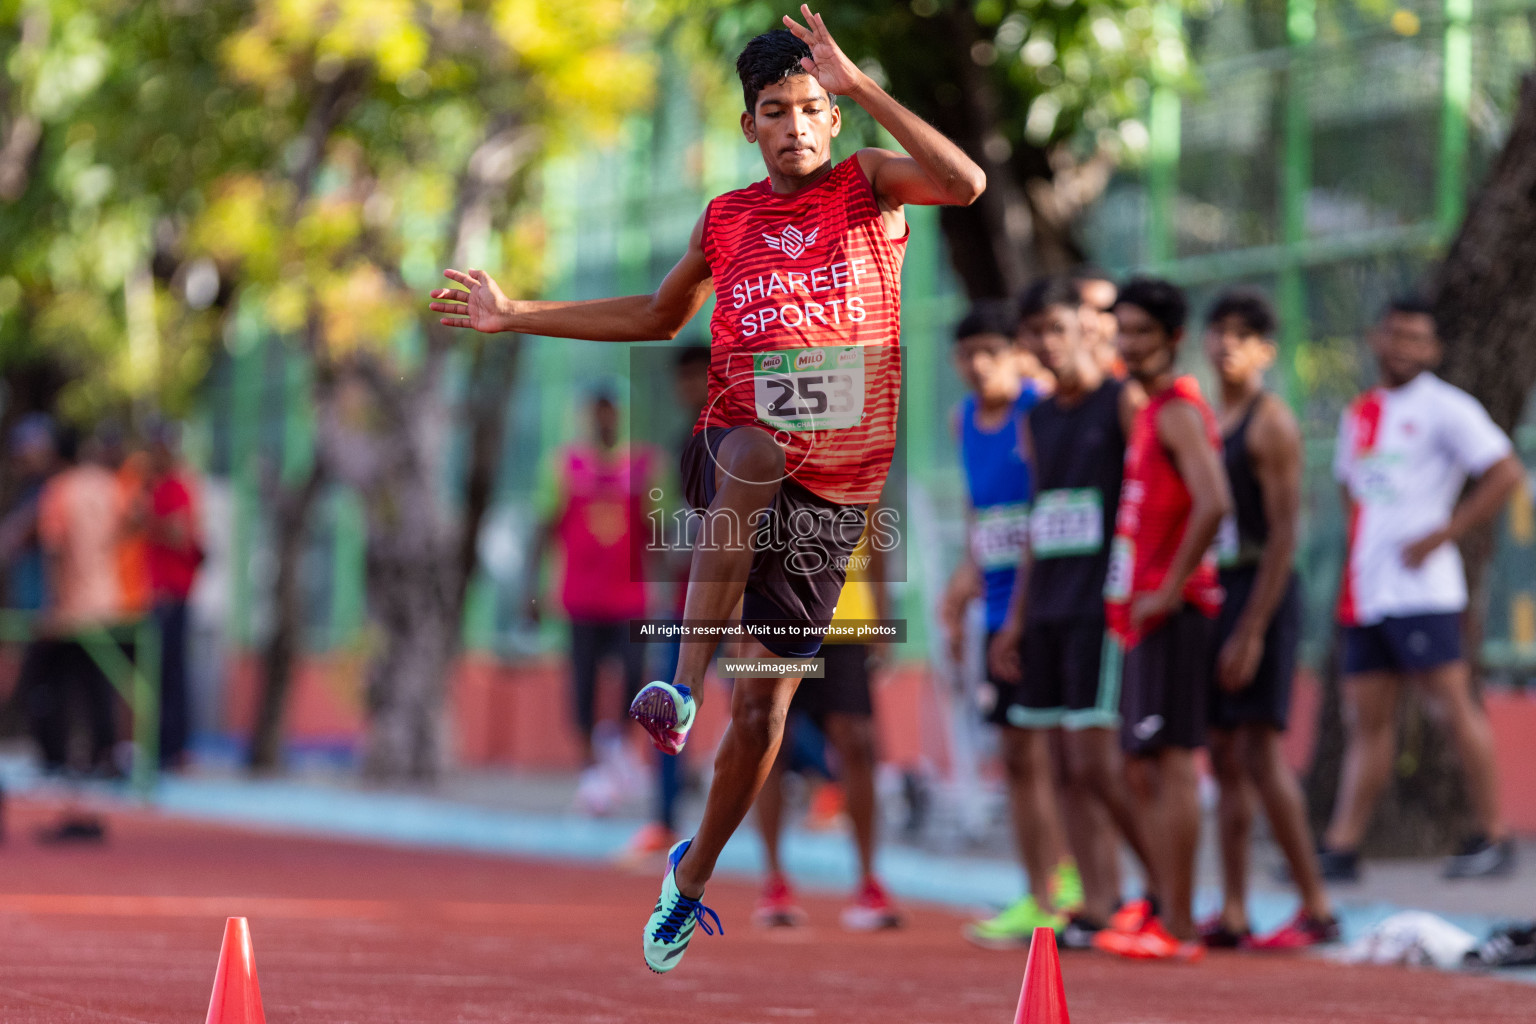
[1338, 865]
[1078, 933]
[1512, 945]
[1478, 858]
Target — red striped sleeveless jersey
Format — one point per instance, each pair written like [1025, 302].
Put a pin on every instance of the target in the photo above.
[1154, 510]
[806, 331]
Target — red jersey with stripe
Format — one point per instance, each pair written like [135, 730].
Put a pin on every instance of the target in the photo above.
[1153, 514]
[806, 331]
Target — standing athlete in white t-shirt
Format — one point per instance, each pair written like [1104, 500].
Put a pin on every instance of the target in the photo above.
[1405, 451]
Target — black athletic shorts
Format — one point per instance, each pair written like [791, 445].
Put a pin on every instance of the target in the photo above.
[801, 557]
[1403, 643]
[1267, 699]
[1064, 679]
[843, 688]
[1165, 683]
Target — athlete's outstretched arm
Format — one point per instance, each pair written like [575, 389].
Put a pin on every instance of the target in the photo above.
[935, 173]
[480, 305]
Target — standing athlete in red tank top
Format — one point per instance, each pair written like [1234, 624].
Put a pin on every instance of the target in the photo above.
[803, 387]
[1160, 598]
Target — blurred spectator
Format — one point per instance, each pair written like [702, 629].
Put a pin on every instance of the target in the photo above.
[174, 551]
[594, 504]
[132, 469]
[79, 523]
[1097, 316]
[1405, 452]
[690, 381]
[33, 455]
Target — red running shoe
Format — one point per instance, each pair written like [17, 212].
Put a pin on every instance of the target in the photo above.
[776, 907]
[872, 910]
[1151, 943]
[1299, 932]
[1131, 918]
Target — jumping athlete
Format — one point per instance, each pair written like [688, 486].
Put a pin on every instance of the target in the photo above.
[1258, 629]
[1405, 451]
[1055, 627]
[1161, 597]
[797, 438]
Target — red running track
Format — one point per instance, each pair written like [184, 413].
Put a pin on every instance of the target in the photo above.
[345, 932]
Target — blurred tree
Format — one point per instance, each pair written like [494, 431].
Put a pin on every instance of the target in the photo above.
[316, 162]
[1047, 96]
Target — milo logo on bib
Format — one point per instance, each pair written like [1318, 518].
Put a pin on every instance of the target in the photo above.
[772, 361]
[809, 359]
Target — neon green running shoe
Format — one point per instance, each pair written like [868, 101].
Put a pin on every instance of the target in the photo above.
[1067, 887]
[671, 926]
[1014, 927]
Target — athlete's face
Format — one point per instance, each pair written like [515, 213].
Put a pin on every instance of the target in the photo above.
[1237, 352]
[1056, 336]
[987, 364]
[1098, 312]
[794, 124]
[1405, 345]
[605, 422]
[1145, 345]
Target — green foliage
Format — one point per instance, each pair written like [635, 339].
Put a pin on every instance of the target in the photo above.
[178, 137]
[1046, 71]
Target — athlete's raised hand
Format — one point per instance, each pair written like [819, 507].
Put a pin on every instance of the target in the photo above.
[827, 63]
[482, 308]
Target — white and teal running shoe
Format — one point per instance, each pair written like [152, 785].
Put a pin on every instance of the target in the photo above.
[672, 922]
[666, 712]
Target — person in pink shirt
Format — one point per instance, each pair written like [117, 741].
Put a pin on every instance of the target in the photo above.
[594, 505]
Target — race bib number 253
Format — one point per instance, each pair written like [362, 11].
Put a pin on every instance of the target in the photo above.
[802, 389]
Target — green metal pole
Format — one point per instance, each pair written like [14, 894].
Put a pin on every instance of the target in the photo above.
[245, 413]
[1163, 132]
[146, 707]
[1451, 182]
[349, 551]
[1295, 182]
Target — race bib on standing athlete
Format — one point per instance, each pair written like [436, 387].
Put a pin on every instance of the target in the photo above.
[998, 534]
[809, 388]
[1069, 521]
[1122, 563]
[1227, 544]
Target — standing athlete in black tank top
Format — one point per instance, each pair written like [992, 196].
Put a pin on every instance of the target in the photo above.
[1259, 626]
[1055, 627]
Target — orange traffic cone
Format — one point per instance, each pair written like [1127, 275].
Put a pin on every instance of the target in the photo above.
[236, 996]
[1043, 1000]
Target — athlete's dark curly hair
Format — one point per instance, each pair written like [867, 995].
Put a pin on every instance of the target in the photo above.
[1047, 292]
[1162, 300]
[1249, 305]
[767, 60]
[988, 316]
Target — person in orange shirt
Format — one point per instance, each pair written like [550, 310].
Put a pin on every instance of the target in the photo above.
[132, 469]
[79, 525]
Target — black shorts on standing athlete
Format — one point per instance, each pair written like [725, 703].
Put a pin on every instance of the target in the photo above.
[843, 688]
[796, 581]
[1068, 679]
[1266, 700]
[1167, 683]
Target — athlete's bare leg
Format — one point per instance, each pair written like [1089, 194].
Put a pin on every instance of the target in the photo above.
[1370, 703]
[749, 470]
[770, 814]
[1234, 818]
[1032, 800]
[742, 764]
[1264, 764]
[1450, 687]
[1095, 760]
[853, 737]
[1178, 836]
[1090, 837]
